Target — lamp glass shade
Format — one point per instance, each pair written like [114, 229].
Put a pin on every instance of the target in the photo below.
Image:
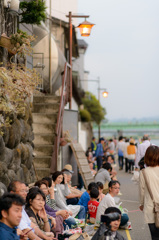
[105, 94]
[85, 28]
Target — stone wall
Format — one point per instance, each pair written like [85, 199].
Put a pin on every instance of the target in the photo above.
[16, 150]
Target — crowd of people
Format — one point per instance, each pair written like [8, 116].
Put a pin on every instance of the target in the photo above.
[45, 210]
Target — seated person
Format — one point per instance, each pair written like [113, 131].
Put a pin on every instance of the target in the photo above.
[85, 196]
[109, 201]
[92, 170]
[103, 176]
[50, 202]
[26, 226]
[35, 202]
[75, 194]
[57, 219]
[100, 188]
[10, 216]
[110, 159]
[109, 228]
[61, 194]
[93, 205]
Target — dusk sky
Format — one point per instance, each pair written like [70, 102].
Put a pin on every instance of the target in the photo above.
[124, 52]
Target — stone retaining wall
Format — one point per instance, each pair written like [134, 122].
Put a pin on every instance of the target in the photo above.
[16, 151]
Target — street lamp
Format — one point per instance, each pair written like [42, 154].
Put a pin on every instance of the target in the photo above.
[105, 95]
[85, 29]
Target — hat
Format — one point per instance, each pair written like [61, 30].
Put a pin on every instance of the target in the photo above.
[132, 141]
[69, 168]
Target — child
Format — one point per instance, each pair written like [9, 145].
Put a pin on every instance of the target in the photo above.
[100, 188]
[93, 205]
[84, 199]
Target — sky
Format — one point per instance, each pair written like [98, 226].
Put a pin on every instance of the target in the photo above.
[123, 52]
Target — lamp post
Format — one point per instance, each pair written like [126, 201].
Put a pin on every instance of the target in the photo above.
[105, 94]
[85, 30]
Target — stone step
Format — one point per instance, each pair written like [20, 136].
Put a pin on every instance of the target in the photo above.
[45, 108]
[44, 138]
[46, 99]
[42, 172]
[42, 162]
[43, 150]
[43, 128]
[44, 118]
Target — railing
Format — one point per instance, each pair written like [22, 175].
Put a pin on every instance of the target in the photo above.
[63, 101]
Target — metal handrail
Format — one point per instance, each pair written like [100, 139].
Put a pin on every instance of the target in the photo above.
[63, 101]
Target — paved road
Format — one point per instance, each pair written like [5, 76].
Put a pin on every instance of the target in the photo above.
[129, 199]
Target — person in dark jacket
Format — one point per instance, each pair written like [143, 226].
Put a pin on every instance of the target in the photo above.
[109, 228]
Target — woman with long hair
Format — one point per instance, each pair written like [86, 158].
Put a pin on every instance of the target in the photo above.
[151, 175]
[60, 196]
[35, 202]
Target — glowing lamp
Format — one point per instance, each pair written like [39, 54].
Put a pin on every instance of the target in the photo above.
[85, 28]
[105, 94]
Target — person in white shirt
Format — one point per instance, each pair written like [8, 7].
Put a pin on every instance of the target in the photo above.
[109, 201]
[120, 151]
[142, 149]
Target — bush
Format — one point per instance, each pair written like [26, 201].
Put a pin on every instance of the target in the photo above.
[85, 115]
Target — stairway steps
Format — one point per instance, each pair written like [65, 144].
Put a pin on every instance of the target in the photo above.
[44, 138]
[42, 162]
[42, 172]
[45, 107]
[43, 128]
[46, 99]
[43, 150]
[45, 118]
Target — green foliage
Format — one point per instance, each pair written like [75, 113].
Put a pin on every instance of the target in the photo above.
[93, 106]
[85, 115]
[33, 12]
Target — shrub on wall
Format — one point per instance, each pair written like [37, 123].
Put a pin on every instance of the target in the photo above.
[85, 115]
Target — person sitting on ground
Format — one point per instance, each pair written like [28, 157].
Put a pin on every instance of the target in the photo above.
[75, 194]
[100, 188]
[83, 201]
[60, 196]
[110, 159]
[56, 220]
[93, 205]
[19, 188]
[109, 228]
[103, 176]
[10, 216]
[92, 170]
[35, 202]
[50, 201]
[109, 201]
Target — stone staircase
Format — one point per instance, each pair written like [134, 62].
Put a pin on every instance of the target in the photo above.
[44, 112]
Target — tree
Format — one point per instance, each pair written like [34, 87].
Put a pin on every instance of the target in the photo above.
[93, 106]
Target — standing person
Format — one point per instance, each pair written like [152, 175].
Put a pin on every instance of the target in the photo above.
[93, 205]
[10, 216]
[120, 150]
[142, 149]
[126, 144]
[94, 146]
[131, 154]
[111, 145]
[152, 176]
[100, 152]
